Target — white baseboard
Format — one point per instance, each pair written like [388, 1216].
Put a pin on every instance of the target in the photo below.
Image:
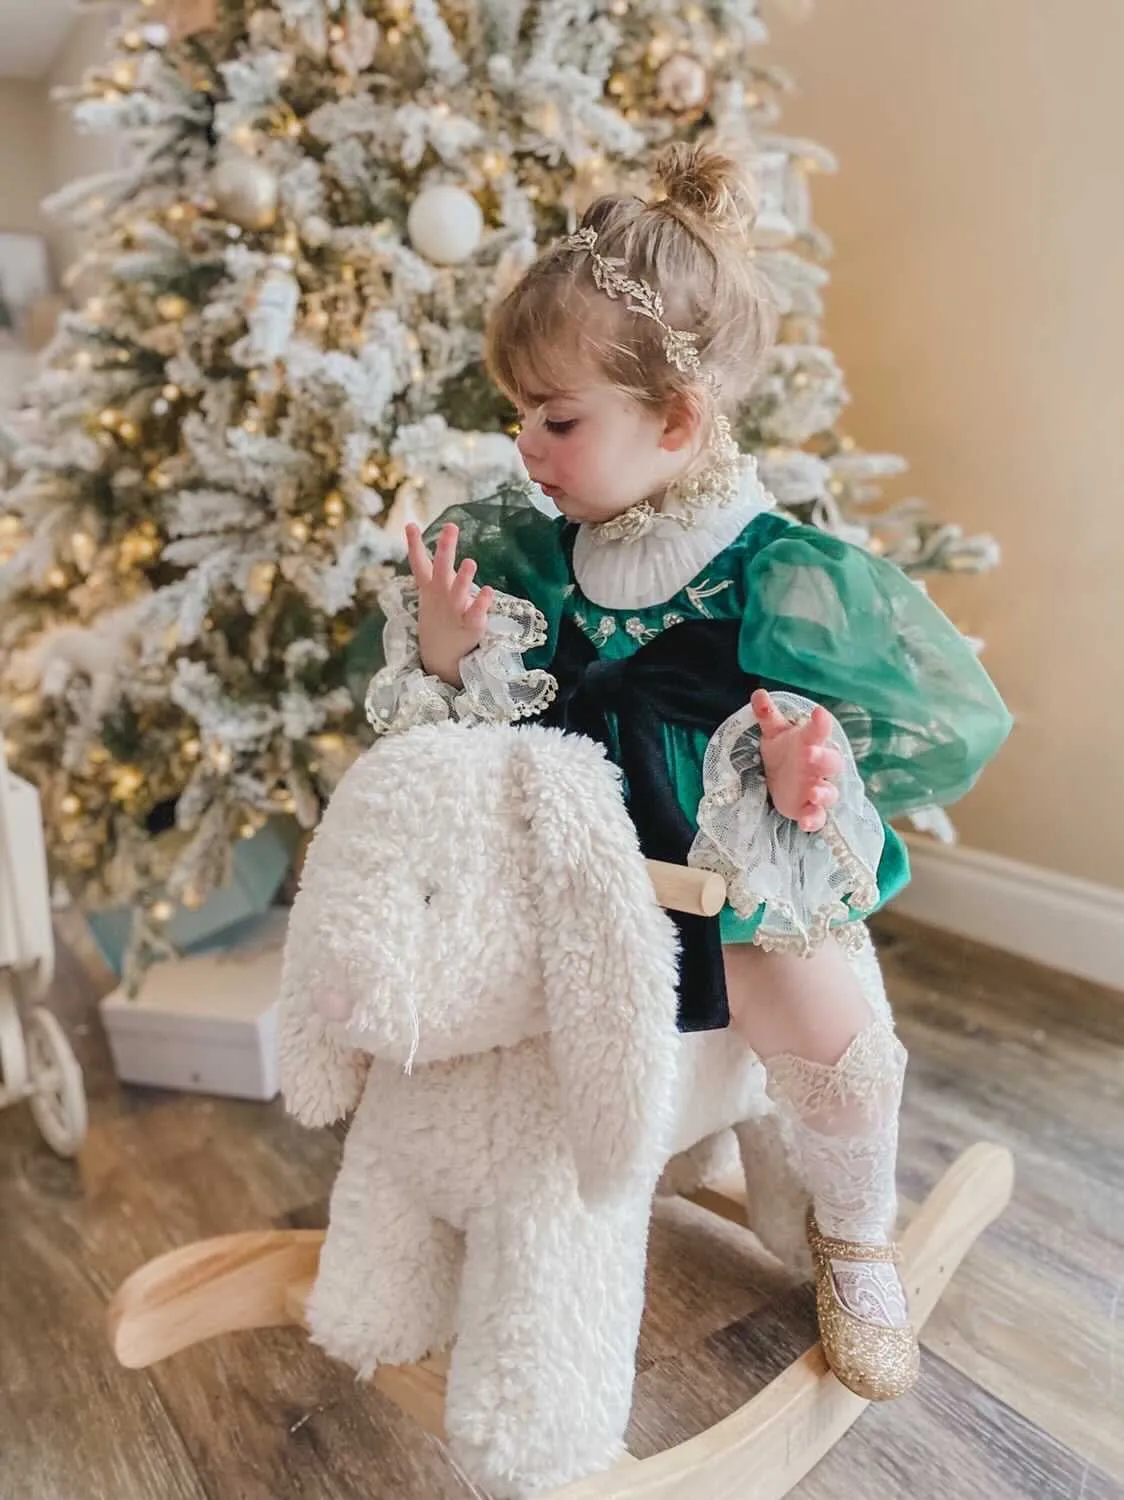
[1057, 920]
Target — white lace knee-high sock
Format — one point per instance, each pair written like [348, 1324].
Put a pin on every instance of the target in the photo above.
[842, 1123]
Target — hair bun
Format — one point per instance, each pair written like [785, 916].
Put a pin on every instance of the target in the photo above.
[707, 186]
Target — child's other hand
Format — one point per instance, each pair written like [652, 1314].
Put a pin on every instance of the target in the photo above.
[451, 621]
[799, 763]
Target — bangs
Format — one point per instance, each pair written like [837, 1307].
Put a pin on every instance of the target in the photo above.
[533, 347]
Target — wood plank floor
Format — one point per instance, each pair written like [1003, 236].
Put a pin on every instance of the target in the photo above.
[1023, 1386]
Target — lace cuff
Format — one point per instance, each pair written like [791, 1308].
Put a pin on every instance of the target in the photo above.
[497, 688]
[808, 881]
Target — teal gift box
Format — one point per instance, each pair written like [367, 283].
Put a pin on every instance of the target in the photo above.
[260, 865]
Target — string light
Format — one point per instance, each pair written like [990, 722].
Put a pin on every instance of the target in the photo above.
[83, 548]
[172, 306]
[161, 911]
[56, 578]
[334, 507]
[260, 580]
[70, 805]
[298, 530]
[127, 781]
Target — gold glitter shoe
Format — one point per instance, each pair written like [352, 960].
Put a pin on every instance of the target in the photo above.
[875, 1360]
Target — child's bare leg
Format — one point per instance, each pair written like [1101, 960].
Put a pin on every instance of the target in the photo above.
[835, 1072]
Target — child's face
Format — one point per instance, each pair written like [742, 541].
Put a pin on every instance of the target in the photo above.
[595, 451]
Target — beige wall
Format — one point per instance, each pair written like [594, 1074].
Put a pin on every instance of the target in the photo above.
[24, 166]
[978, 309]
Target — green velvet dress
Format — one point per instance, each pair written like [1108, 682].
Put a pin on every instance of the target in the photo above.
[820, 621]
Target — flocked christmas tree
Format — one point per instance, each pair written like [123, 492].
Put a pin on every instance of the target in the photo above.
[316, 204]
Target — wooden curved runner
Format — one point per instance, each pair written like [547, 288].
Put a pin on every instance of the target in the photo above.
[759, 1452]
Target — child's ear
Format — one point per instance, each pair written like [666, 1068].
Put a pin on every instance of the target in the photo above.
[682, 423]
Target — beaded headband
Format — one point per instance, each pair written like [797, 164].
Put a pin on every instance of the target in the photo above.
[609, 277]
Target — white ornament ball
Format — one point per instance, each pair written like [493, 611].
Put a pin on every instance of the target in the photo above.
[682, 83]
[246, 191]
[445, 225]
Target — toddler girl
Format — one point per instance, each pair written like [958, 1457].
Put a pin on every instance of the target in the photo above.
[772, 695]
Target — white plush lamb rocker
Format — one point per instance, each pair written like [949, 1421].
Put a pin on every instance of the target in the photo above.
[478, 964]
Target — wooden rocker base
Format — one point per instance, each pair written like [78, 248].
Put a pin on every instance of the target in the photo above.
[759, 1452]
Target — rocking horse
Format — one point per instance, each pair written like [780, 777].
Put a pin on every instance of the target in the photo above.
[493, 993]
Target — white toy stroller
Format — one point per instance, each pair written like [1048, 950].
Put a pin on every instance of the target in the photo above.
[36, 1060]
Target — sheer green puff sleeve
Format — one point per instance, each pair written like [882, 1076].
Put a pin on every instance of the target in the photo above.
[828, 620]
[518, 552]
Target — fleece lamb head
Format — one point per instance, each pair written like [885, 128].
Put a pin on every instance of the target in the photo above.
[470, 888]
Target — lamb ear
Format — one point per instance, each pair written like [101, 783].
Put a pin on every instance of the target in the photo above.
[609, 957]
[321, 1077]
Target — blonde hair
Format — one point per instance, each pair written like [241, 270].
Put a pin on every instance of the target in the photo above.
[691, 245]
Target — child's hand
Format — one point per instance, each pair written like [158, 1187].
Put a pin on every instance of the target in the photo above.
[799, 763]
[451, 623]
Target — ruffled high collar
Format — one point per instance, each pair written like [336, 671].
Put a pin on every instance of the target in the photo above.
[636, 573]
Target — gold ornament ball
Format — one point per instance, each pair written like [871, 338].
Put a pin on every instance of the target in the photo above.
[333, 505]
[246, 191]
[682, 83]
